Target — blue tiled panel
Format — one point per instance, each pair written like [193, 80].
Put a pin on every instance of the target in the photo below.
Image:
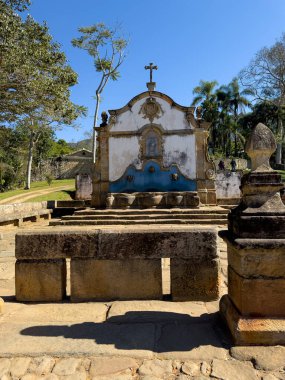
[146, 179]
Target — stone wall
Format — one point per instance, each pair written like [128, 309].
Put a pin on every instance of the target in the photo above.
[227, 184]
[18, 212]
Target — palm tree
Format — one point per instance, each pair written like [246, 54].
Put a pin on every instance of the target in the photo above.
[206, 98]
[233, 101]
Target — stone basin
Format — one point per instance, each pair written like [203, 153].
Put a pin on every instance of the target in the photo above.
[124, 200]
[149, 200]
[153, 199]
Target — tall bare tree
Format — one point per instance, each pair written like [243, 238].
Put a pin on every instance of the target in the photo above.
[107, 49]
[265, 76]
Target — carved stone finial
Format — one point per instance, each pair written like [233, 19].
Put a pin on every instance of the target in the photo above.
[199, 111]
[259, 147]
[104, 117]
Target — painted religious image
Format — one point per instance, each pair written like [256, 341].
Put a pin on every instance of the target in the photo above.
[152, 149]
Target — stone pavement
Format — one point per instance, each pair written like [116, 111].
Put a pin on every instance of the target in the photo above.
[124, 339]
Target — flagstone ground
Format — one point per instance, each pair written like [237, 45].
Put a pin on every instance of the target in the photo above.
[123, 339]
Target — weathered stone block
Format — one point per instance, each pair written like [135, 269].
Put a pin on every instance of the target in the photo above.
[253, 257]
[257, 296]
[118, 244]
[56, 244]
[93, 279]
[248, 331]
[258, 226]
[194, 280]
[194, 243]
[40, 280]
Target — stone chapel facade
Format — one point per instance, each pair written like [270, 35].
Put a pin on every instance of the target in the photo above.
[154, 146]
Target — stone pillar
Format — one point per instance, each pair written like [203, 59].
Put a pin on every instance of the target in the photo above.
[205, 168]
[101, 168]
[254, 307]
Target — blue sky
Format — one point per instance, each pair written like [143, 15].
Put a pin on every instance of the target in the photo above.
[188, 40]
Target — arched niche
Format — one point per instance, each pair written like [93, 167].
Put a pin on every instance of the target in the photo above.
[151, 143]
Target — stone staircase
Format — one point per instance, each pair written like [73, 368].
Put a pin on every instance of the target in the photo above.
[204, 215]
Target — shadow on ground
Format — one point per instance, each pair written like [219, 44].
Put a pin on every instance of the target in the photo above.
[155, 331]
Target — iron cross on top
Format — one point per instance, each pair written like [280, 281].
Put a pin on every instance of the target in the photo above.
[150, 68]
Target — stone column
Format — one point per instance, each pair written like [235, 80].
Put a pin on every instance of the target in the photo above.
[101, 168]
[205, 169]
[254, 307]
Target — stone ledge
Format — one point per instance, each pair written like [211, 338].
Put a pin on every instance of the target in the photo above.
[194, 243]
[56, 244]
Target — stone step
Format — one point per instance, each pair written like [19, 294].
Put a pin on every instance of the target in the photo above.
[143, 217]
[216, 210]
[87, 222]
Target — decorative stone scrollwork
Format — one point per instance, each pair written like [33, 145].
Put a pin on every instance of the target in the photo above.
[174, 177]
[210, 174]
[130, 178]
[189, 116]
[151, 109]
[112, 119]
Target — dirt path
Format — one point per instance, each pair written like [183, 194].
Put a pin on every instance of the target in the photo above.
[32, 194]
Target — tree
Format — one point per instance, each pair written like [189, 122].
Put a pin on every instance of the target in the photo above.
[265, 76]
[233, 101]
[108, 52]
[11, 157]
[34, 80]
[207, 99]
[17, 5]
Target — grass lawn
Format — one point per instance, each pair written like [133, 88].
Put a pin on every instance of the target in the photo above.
[62, 195]
[41, 185]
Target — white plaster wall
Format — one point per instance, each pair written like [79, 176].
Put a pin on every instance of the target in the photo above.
[123, 151]
[131, 120]
[181, 150]
[227, 184]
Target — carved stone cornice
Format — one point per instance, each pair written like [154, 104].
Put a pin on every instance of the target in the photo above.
[154, 94]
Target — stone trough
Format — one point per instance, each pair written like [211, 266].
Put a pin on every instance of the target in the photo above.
[145, 200]
[117, 264]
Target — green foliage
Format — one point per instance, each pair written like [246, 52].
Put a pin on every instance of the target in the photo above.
[17, 5]
[35, 80]
[49, 179]
[222, 107]
[60, 148]
[107, 50]
[265, 77]
[105, 47]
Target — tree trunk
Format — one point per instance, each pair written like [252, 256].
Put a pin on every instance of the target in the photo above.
[94, 125]
[278, 157]
[30, 161]
[236, 152]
